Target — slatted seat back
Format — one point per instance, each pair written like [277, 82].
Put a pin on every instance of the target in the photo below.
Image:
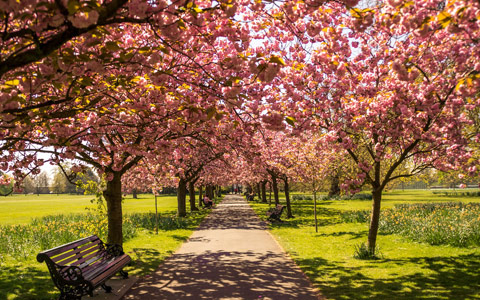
[79, 253]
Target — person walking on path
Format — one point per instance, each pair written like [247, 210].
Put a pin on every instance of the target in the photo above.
[230, 256]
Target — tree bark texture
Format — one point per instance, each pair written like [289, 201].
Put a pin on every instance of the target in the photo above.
[181, 198]
[275, 189]
[287, 198]
[113, 197]
[375, 218]
[263, 186]
[191, 191]
[200, 196]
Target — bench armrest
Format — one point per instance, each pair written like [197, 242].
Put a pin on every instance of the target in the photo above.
[114, 249]
[70, 273]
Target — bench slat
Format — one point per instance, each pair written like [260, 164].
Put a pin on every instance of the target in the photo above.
[83, 257]
[111, 270]
[90, 257]
[63, 248]
[72, 254]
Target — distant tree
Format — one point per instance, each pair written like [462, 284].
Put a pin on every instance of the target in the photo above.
[28, 186]
[41, 183]
[59, 183]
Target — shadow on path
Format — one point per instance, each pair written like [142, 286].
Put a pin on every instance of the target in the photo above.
[230, 256]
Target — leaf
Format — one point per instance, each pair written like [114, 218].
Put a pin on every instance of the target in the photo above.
[165, 50]
[444, 18]
[277, 60]
[291, 121]
[144, 50]
[14, 82]
[459, 84]
[112, 46]
[218, 116]
[211, 111]
[181, 24]
[73, 6]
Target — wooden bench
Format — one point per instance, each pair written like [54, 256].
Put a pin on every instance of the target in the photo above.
[274, 214]
[79, 267]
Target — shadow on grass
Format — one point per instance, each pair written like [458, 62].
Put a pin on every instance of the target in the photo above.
[303, 215]
[353, 235]
[34, 282]
[179, 237]
[26, 283]
[145, 260]
[445, 278]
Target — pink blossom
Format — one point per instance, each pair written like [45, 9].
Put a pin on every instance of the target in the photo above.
[84, 19]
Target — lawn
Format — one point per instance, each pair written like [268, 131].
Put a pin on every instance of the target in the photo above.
[20, 209]
[407, 270]
[25, 278]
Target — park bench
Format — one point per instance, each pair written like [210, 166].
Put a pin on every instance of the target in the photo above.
[79, 267]
[274, 214]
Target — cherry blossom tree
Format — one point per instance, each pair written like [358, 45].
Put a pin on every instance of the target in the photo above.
[388, 93]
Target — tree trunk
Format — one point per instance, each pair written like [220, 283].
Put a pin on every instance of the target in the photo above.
[200, 196]
[375, 218]
[181, 198]
[257, 190]
[113, 197]
[134, 194]
[275, 189]
[191, 190]
[263, 186]
[334, 186]
[270, 195]
[209, 192]
[287, 198]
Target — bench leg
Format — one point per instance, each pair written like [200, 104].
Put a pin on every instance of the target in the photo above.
[124, 274]
[69, 292]
[108, 289]
[69, 297]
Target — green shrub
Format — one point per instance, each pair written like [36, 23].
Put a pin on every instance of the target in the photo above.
[147, 220]
[302, 197]
[452, 223]
[25, 241]
[363, 252]
[457, 193]
[359, 196]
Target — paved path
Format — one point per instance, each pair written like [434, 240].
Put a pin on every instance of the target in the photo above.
[231, 256]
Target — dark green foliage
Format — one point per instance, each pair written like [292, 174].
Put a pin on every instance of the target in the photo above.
[363, 252]
[450, 223]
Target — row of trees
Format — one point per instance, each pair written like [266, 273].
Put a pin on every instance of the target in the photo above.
[211, 92]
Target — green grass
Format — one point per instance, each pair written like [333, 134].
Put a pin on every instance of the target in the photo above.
[25, 278]
[21, 209]
[406, 270]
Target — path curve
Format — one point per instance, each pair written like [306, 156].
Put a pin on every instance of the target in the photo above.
[230, 256]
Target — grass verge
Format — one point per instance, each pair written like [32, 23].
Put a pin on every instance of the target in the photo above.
[406, 270]
[22, 277]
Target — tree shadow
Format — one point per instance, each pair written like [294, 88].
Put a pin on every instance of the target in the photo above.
[29, 283]
[146, 260]
[444, 278]
[221, 274]
[354, 235]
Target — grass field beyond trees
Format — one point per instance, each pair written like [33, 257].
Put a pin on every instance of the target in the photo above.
[407, 269]
[29, 224]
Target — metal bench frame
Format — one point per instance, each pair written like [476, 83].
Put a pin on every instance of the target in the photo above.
[79, 267]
